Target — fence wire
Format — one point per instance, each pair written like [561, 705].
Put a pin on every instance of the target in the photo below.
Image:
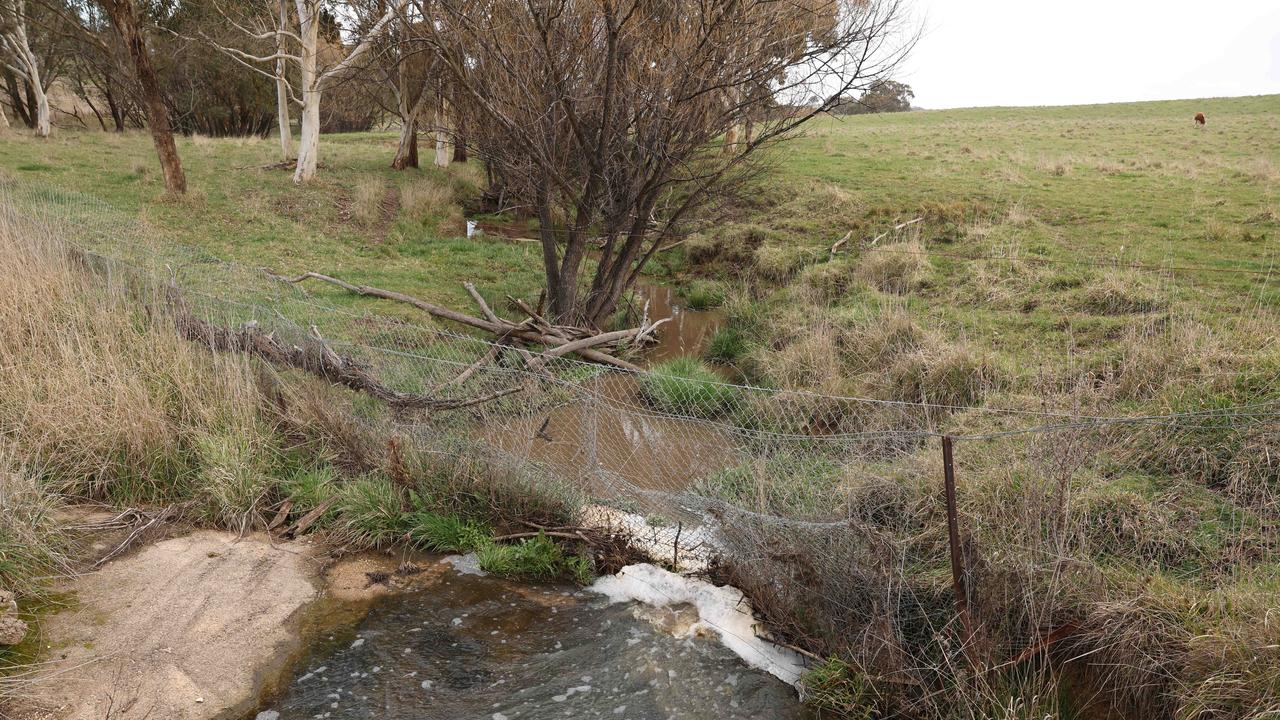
[828, 511]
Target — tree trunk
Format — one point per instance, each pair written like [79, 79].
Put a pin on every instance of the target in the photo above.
[309, 138]
[444, 149]
[124, 17]
[4, 120]
[309, 135]
[460, 145]
[26, 65]
[15, 99]
[43, 124]
[282, 90]
[407, 152]
[117, 115]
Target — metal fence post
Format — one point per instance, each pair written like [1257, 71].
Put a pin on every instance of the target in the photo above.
[957, 558]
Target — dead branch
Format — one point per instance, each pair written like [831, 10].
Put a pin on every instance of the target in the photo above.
[835, 248]
[548, 533]
[315, 357]
[137, 534]
[473, 367]
[501, 328]
[484, 306]
[894, 229]
[307, 520]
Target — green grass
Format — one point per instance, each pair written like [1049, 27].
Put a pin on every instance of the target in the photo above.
[447, 533]
[535, 558]
[687, 386]
[703, 294]
[1031, 219]
[727, 345]
[239, 211]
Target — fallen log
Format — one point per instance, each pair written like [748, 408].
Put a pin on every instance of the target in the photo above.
[315, 357]
[555, 336]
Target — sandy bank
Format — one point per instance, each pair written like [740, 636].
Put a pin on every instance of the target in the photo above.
[190, 628]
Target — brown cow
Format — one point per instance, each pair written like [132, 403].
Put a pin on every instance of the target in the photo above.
[1199, 118]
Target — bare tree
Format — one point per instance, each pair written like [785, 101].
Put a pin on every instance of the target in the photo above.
[608, 117]
[22, 61]
[300, 44]
[124, 16]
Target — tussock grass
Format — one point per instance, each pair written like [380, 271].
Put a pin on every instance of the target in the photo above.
[686, 386]
[899, 268]
[727, 345]
[447, 533]
[425, 198]
[536, 558]
[703, 294]
[32, 542]
[1121, 293]
[367, 200]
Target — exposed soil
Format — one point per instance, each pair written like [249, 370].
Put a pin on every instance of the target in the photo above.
[190, 628]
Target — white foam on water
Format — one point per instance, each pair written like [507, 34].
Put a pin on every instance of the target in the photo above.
[468, 564]
[696, 543]
[724, 611]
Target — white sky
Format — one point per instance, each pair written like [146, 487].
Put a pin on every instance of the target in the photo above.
[1051, 52]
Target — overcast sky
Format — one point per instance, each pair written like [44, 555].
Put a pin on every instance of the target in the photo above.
[1050, 52]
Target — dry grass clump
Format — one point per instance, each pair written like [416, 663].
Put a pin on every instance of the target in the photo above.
[900, 268]
[31, 541]
[98, 398]
[1121, 292]
[735, 245]
[809, 362]
[367, 200]
[425, 198]
[778, 262]
[830, 281]
[952, 375]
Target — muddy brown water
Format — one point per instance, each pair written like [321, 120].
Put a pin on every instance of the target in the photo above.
[688, 331]
[479, 647]
[614, 432]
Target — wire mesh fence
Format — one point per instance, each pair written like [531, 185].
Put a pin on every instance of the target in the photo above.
[1096, 540]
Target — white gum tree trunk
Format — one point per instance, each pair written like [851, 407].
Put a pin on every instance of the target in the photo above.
[282, 88]
[314, 81]
[14, 44]
[309, 135]
[444, 145]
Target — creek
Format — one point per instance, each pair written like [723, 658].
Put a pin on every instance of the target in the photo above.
[474, 646]
[477, 647]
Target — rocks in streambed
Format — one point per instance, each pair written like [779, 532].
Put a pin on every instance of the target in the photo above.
[12, 629]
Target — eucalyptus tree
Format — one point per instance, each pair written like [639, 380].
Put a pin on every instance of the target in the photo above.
[294, 49]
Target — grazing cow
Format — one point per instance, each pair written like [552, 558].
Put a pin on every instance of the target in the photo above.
[1199, 118]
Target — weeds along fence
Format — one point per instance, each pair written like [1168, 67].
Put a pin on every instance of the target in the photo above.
[1137, 551]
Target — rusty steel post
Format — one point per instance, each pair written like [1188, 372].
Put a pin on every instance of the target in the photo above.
[957, 559]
